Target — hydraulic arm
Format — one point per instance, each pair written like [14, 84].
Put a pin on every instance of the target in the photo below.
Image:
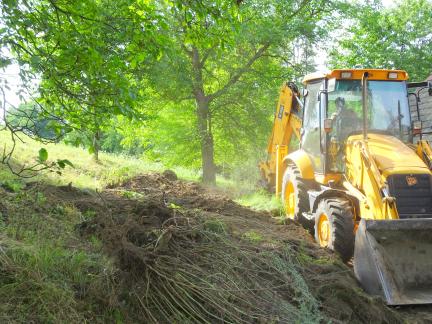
[287, 122]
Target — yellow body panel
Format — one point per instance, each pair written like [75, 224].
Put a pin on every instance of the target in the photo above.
[391, 155]
[325, 178]
[370, 162]
[281, 152]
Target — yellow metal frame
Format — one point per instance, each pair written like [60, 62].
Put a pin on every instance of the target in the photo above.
[281, 152]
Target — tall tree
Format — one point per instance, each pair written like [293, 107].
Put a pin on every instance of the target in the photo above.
[78, 59]
[214, 49]
[396, 37]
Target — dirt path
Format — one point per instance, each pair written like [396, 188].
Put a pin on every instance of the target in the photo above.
[139, 222]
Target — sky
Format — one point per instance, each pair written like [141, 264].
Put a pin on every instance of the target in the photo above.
[11, 74]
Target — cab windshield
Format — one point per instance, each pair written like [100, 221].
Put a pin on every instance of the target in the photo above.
[388, 110]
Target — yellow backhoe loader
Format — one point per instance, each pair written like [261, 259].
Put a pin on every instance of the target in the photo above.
[354, 177]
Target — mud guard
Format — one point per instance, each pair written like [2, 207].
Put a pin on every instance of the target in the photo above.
[393, 259]
[303, 162]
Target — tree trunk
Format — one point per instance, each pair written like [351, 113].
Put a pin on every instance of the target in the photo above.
[96, 145]
[206, 138]
[204, 120]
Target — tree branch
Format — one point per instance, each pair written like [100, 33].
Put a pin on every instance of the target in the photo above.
[206, 55]
[237, 75]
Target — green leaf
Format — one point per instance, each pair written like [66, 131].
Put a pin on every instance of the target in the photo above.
[43, 155]
[67, 162]
[62, 163]
[35, 59]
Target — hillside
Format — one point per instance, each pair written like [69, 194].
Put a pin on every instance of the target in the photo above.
[146, 247]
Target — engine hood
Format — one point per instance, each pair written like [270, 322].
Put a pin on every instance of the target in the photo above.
[393, 156]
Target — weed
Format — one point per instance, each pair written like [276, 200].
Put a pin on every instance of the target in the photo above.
[174, 206]
[89, 214]
[40, 198]
[38, 283]
[97, 244]
[253, 236]
[215, 225]
[127, 194]
[12, 185]
[261, 200]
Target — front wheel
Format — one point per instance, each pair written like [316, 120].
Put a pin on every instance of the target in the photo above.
[295, 196]
[334, 226]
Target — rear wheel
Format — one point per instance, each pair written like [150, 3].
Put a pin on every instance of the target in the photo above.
[334, 226]
[295, 196]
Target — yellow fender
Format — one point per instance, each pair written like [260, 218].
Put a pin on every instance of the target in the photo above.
[303, 162]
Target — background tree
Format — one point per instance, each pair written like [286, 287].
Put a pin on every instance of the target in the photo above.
[195, 82]
[77, 58]
[222, 55]
[397, 37]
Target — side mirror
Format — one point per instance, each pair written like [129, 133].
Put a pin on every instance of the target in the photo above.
[331, 85]
[328, 125]
[305, 92]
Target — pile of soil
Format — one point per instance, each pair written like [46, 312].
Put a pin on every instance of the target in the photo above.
[187, 253]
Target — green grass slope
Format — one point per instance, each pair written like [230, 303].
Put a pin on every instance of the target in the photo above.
[86, 172]
[112, 168]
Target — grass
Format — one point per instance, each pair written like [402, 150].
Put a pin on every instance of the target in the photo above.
[262, 200]
[87, 173]
[44, 264]
[112, 168]
[253, 236]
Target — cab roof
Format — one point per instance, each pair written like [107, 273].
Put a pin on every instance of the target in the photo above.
[357, 74]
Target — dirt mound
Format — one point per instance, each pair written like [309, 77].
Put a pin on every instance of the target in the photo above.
[183, 193]
[187, 253]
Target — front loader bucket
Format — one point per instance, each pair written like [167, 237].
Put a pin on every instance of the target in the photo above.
[393, 259]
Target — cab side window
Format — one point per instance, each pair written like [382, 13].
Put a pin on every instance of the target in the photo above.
[311, 124]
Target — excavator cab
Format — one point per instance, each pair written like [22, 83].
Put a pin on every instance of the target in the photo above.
[357, 181]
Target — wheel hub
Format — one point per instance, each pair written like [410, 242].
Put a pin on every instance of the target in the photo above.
[290, 200]
[323, 230]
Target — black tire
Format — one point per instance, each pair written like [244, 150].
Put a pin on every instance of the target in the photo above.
[341, 221]
[301, 197]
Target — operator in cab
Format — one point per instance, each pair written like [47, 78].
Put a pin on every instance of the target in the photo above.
[345, 120]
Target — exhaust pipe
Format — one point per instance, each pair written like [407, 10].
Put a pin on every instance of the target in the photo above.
[393, 259]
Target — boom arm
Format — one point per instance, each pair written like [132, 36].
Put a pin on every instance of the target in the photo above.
[424, 151]
[287, 121]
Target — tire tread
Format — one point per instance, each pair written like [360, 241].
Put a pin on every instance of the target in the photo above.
[339, 212]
